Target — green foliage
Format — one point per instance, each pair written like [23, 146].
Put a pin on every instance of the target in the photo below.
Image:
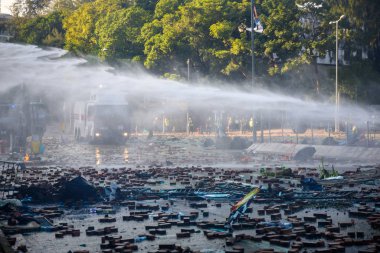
[54, 39]
[297, 32]
[68, 6]
[324, 173]
[80, 29]
[266, 173]
[40, 30]
[117, 33]
[148, 5]
[202, 31]
[108, 28]
[164, 7]
[173, 77]
[282, 29]
[164, 34]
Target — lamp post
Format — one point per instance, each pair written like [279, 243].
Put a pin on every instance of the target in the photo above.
[243, 28]
[336, 76]
[255, 27]
[188, 69]
[252, 43]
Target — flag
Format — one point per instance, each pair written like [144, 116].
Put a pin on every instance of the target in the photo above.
[258, 27]
[241, 207]
[245, 199]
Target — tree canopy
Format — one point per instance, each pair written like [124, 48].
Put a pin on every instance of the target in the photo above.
[167, 36]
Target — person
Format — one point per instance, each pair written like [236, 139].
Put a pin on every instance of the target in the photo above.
[150, 134]
[166, 123]
[251, 123]
[229, 123]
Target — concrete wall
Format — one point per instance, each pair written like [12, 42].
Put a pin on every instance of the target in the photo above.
[346, 153]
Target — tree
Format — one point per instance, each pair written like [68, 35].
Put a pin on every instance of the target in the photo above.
[118, 33]
[29, 8]
[203, 31]
[164, 7]
[361, 28]
[283, 30]
[84, 25]
[160, 35]
[164, 34]
[297, 33]
[317, 38]
[80, 29]
[359, 34]
[67, 6]
[40, 30]
[54, 39]
[148, 5]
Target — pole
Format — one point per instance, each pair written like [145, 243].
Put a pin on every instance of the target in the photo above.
[11, 142]
[187, 123]
[188, 69]
[312, 132]
[163, 124]
[282, 127]
[329, 129]
[253, 68]
[336, 81]
[368, 133]
[269, 131]
[261, 128]
[252, 42]
[254, 129]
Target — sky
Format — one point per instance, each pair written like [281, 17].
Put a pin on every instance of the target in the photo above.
[5, 6]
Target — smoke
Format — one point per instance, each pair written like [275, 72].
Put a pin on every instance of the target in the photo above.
[57, 76]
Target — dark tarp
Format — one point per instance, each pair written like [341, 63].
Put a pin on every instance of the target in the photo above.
[78, 189]
[305, 154]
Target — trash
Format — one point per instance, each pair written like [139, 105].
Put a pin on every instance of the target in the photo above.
[169, 163]
[78, 189]
[208, 143]
[111, 191]
[334, 178]
[140, 238]
[280, 224]
[216, 196]
[309, 184]
[13, 202]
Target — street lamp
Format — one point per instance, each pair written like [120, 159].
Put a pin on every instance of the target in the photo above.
[252, 44]
[188, 69]
[255, 27]
[336, 76]
[242, 28]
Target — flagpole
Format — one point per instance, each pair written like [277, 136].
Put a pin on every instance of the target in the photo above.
[252, 42]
